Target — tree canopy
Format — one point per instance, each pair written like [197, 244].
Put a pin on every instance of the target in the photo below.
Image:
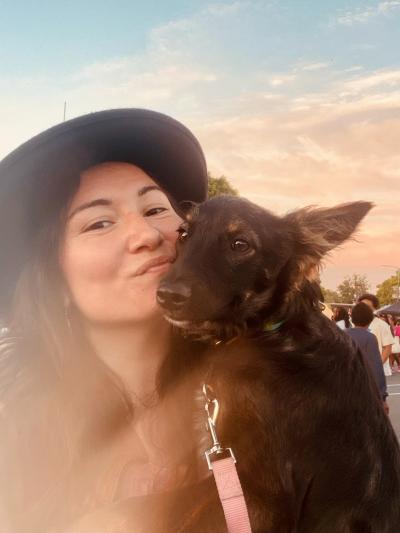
[218, 186]
[387, 291]
[352, 287]
[330, 296]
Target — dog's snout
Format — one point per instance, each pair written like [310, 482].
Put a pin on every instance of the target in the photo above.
[173, 296]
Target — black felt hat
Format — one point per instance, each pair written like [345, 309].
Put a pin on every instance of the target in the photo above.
[33, 177]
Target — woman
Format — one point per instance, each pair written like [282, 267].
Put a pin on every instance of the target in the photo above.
[86, 420]
[341, 317]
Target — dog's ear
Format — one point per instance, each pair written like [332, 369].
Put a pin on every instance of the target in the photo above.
[317, 231]
[186, 209]
[321, 229]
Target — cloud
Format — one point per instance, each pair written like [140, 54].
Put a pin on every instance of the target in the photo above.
[389, 5]
[323, 148]
[315, 66]
[223, 9]
[309, 134]
[388, 78]
[281, 79]
[363, 15]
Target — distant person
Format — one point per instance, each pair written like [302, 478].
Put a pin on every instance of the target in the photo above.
[381, 330]
[341, 317]
[362, 316]
[396, 346]
[389, 322]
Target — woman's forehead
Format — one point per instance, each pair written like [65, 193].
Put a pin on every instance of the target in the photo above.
[109, 179]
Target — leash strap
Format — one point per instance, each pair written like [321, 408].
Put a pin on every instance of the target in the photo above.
[225, 474]
[231, 495]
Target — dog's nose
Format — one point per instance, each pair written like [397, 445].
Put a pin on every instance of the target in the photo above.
[173, 296]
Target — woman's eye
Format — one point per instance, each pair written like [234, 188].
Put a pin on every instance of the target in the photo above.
[155, 211]
[182, 234]
[240, 245]
[100, 224]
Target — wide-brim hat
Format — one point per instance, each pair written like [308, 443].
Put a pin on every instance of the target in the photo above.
[33, 177]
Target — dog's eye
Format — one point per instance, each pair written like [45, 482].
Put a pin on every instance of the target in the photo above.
[240, 245]
[182, 234]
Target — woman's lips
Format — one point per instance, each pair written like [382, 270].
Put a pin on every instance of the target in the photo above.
[159, 268]
[158, 264]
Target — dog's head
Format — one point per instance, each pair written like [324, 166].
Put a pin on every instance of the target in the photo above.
[237, 261]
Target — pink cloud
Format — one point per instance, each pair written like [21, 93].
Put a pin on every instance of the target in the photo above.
[322, 149]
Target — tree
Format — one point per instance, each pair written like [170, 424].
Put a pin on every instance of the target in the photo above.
[352, 287]
[387, 291]
[218, 186]
[330, 296]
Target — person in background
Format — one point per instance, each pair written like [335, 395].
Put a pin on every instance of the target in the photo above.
[362, 316]
[395, 357]
[381, 330]
[341, 317]
[389, 321]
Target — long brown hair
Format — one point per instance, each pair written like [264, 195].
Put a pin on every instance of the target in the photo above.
[49, 334]
[84, 403]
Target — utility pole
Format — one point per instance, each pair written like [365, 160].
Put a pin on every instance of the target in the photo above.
[65, 110]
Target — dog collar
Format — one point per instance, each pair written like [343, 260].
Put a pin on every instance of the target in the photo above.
[271, 326]
[268, 327]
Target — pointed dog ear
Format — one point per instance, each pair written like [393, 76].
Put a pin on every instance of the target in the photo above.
[317, 231]
[320, 230]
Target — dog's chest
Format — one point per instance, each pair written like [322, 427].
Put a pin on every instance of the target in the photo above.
[238, 374]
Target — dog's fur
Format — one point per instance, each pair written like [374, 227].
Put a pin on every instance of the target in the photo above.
[316, 452]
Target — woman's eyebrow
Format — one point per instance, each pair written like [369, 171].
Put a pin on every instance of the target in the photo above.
[87, 205]
[148, 188]
[106, 202]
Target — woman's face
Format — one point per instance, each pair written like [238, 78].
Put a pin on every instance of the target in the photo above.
[119, 240]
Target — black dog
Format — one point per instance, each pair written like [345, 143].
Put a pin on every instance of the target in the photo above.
[316, 452]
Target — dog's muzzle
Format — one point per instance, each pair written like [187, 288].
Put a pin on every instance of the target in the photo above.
[172, 297]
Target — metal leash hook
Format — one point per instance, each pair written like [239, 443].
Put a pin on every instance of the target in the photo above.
[212, 410]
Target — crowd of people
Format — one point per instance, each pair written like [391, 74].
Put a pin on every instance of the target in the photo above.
[376, 334]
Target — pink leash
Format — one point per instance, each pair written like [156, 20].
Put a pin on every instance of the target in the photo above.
[225, 473]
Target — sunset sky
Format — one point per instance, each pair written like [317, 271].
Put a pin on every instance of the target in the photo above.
[296, 102]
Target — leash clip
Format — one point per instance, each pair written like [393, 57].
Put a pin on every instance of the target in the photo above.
[212, 409]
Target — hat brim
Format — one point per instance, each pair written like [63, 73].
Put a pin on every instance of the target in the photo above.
[32, 177]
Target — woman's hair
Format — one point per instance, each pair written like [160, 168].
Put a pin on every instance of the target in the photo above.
[342, 314]
[51, 339]
[75, 402]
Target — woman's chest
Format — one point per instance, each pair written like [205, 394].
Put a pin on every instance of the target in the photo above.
[148, 456]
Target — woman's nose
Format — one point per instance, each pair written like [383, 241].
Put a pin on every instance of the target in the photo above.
[141, 234]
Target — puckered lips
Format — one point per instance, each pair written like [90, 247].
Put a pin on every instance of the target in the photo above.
[156, 264]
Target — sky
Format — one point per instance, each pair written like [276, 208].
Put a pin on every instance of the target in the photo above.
[296, 102]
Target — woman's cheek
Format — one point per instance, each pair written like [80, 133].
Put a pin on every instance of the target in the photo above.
[170, 229]
[89, 263]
